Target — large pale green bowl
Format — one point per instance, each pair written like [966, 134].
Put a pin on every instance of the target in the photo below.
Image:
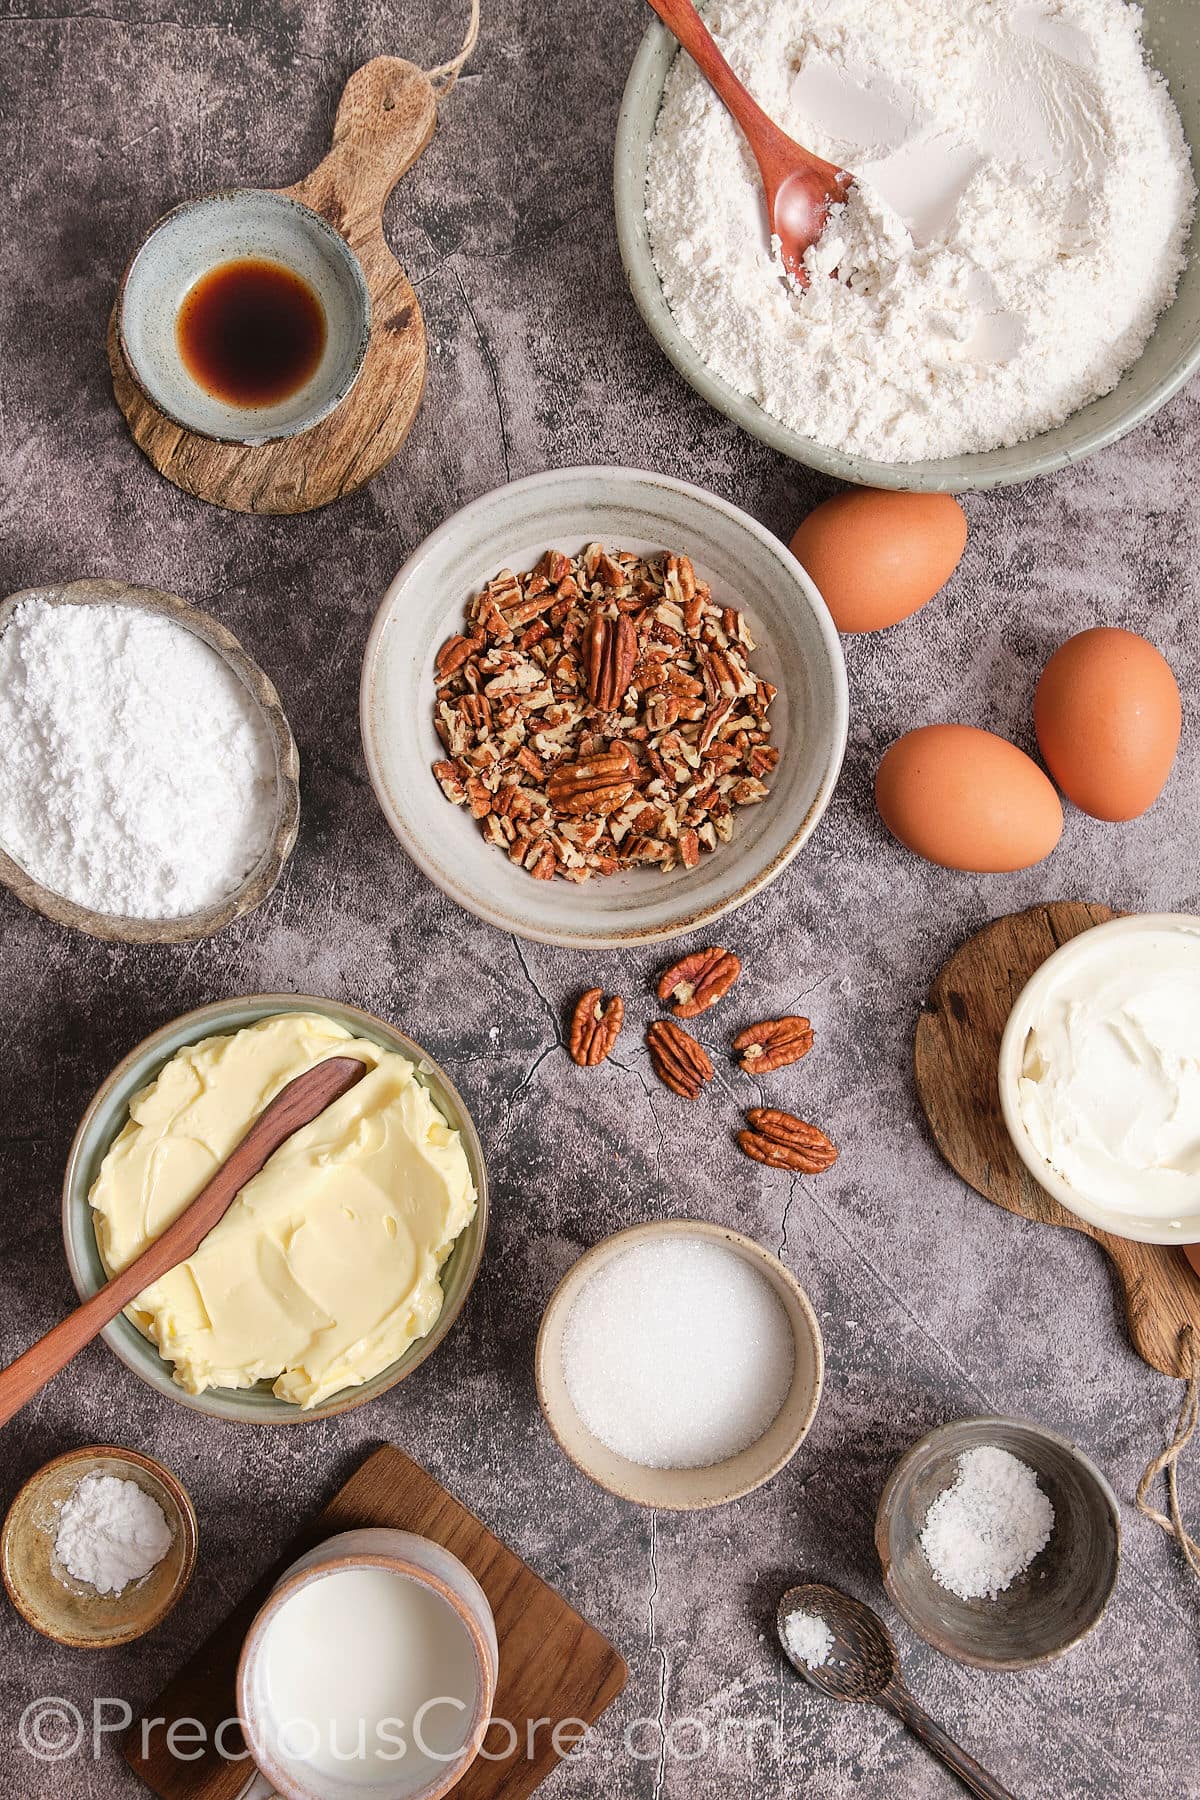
[1171, 356]
[106, 1117]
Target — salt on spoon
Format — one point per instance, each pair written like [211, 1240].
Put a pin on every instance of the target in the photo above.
[861, 1662]
[800, 187]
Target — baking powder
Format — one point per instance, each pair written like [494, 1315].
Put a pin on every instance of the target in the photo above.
[1018, 224]
[136, 773]
[110, 1533]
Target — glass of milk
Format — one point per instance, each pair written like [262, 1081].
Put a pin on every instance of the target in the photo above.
[371, 1669]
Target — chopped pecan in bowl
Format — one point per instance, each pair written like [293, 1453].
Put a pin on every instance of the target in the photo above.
[599, 713]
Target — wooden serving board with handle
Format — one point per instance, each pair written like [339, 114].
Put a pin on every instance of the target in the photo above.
[956, 1054]
[554, 1666]
[385, 119]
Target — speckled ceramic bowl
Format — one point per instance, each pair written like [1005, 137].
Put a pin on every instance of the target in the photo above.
[798, 650]
[1170, 358]
[681, 1490]
[1066, 1587]
[71, 1611]
[260, 880]
[106, 1117]
[197, 238]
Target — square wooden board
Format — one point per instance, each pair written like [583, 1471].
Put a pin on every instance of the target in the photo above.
[553, 1664]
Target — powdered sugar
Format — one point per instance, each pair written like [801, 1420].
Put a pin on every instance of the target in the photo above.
[1018, 225]
[110, 1533]
[136, 773]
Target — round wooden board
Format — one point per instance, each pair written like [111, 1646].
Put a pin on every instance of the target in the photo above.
[955, 1058]
[385, 119]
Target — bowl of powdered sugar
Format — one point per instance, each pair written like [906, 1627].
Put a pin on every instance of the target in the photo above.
[999, 1540]
[1007, 288]
[148, 777]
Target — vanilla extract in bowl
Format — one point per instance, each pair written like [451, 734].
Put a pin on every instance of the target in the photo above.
[251, 332]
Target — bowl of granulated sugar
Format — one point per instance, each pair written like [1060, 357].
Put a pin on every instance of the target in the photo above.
[679, 1364]
[1000, 1542]
[148, 777]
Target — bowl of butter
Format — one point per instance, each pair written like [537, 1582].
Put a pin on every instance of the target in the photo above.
[338, 1269]
[1099, 1077]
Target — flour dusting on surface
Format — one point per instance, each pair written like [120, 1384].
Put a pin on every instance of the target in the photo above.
[1018, 222]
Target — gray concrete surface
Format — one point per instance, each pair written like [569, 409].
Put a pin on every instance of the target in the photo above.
[933, 1303]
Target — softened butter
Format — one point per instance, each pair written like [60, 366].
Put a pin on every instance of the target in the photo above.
[327, 1265]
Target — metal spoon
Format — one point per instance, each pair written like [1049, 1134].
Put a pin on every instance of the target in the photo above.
[800, 187]
[864, 1664]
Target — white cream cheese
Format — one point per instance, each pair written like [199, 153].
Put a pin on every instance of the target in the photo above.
[1109, 1089]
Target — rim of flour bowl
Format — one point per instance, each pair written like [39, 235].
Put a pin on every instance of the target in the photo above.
[1093, 427]
[94, 1136]
[258, 884]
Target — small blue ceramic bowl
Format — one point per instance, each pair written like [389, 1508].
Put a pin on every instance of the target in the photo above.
[105, 1118]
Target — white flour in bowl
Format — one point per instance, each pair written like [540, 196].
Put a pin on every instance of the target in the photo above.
[1019, 221]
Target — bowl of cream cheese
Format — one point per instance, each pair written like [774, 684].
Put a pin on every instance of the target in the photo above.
[338, 1269]
[1100, 1077]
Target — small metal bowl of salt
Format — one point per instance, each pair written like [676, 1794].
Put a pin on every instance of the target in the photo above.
[1000, 1542]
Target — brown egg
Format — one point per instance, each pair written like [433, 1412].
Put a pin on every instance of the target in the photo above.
[878, 556]
[1107, 716]
[967, 799]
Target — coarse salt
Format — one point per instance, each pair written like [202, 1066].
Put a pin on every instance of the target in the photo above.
[678, 1353]
[110, 1532]
[987, 1527]
[136, 773]
[808, 1639]
[1018, 223]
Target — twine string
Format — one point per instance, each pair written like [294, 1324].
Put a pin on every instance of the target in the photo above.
[447, 73]
[1168, 1459]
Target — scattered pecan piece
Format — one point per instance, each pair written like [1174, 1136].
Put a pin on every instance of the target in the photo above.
[610, 651]
[783, 1141]
[698, 981]
[679, 1061]
[773, 1044]
[595, 1028]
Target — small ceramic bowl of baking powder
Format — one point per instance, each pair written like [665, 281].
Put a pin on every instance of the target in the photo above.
[255, 229]
[746, 566]
[1055, 1600]
[371, 1666]
[1099, 1076]
[107, 1116]
[59, 1604]
[763, 1299]
[279, 826]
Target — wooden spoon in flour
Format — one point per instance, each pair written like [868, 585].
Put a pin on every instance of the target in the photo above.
[800, 187]
[297, 1105]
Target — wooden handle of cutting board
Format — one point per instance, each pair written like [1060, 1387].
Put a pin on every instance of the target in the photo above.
[296, 1106]
[384, 120]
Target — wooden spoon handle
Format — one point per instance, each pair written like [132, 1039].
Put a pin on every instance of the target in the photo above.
[385, 118]
[294, 1106]
[973, 1775]
[681, 17]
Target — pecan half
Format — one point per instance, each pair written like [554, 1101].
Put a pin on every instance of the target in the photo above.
[679, 1061]
[783, 1141]
[610, 651]
[601, 785]
[773, 1044]
[698, 981]
[595, 1028]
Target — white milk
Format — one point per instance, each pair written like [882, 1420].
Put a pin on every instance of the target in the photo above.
[350, 1661]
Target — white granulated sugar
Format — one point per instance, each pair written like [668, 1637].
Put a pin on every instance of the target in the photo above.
[678, 1353]
[987, 1527]
[1018, 224]
[808, 1639]
[110, 1533]
[136, 773]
